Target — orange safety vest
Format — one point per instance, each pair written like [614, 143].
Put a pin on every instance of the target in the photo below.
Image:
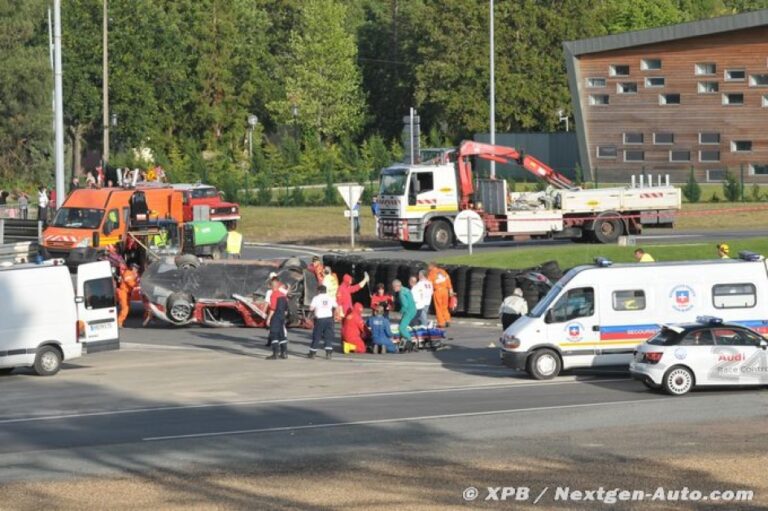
[440, 279]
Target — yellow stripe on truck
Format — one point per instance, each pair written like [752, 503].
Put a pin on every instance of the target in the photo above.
[427, 209]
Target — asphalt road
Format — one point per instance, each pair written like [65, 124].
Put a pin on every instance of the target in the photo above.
[651, 237]
[194, 404]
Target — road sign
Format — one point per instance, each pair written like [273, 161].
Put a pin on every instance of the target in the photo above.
[354, 213]
[350, 193]
[469, 227]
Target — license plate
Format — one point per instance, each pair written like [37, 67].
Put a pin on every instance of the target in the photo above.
[100, 326]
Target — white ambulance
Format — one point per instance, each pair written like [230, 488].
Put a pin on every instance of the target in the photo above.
[597, 315]
[49, 316]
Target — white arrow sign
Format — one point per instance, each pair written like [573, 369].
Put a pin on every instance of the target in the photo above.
[350, 193]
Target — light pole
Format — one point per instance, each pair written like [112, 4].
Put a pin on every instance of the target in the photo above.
[105, 82]
[563, 118]
[492, 98]
[295, 113]
[58, 118]
[252, 122]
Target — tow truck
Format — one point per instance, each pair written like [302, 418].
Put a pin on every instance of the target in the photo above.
[419, 203]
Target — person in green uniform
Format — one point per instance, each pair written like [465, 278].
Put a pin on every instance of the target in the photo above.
[407, 312]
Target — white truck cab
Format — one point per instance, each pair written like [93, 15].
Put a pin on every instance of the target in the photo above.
[46, 319]
[597, 315]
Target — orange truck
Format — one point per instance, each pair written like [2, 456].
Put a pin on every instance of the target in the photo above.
[90, 220]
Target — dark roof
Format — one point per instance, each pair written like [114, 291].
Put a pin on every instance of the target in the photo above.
[668, 33]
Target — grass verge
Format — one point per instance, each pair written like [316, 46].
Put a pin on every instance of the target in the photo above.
[573, 255]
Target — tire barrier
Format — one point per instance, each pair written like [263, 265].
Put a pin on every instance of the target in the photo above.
[479, 291]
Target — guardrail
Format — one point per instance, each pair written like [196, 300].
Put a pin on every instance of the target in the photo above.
[15, 230]
[17, 253]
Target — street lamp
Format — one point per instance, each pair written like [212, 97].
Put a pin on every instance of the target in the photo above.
[563, 118]
[492, 93]
[252, 122]
[295, 113]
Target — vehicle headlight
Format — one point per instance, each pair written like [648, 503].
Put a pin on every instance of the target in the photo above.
[234, 209]
[509, 341]
[84, 243]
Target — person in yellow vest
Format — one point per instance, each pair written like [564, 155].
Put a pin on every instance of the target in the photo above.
[641, 256]
[234, 244]
[723, 251]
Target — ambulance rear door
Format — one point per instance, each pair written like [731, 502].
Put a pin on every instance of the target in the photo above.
[96, 307]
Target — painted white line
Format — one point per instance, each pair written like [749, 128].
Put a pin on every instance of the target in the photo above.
[257, 402]
[399, 420]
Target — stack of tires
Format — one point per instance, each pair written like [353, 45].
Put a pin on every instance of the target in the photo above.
[459, 278]
[475, 286]
[493, 293]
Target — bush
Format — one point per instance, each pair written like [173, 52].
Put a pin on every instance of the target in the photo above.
[731, 187]
[755, 194]
[297, 197]
[578, 175]
[264, 191]
[715, 197]
[692, 190]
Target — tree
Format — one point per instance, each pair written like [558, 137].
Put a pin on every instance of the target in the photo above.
[25, 93]
[731, 187]
[692, 190]
[321, 75]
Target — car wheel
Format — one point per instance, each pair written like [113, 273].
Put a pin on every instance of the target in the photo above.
[187, 261]
[608, 228]
[180, 307]
[439, 235]
[678, 381]
[411, 245]
[544, 364]
[47, 361]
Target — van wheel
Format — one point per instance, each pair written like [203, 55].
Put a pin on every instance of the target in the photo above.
[439, 235]
[187, 261]
[47, 361]
[608, 228]
[678, 381]
[543, 364]
[180, 307]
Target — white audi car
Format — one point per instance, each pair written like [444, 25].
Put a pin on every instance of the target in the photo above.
[708, 352]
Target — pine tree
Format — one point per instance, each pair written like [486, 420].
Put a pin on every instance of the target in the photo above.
[692, 190]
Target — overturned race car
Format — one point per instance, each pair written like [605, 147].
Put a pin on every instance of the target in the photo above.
[184, 290]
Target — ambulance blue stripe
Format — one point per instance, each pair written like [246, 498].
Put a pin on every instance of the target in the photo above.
[624, 328]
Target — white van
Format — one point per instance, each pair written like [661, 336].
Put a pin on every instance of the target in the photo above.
[597, 315]
[43, 321]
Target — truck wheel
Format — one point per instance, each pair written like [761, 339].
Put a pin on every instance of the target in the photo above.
[47, 361]
[411, 245]
[179, 308]
[543, 364]
[187, 261]
[608, 230]
[439, 235]
[678, 381]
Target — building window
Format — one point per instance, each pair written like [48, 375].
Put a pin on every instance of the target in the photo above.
[596, 83]
[758, 80]
[669, 99]
[709, 138]
[626, 88]
[654, 81]
[679, 155]
[618, 70]
[598, 99]
[650, 64]
[715, 175]
[663, 138]
[741, 146]
[708, 87]
[733, 98]
[765, 100]
[709, 155]
[606, 151]
[735, 75]
[634, 155]
[758, 169]
[633, 138]
[705, 69]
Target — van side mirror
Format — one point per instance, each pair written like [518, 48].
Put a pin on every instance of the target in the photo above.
[764, 344]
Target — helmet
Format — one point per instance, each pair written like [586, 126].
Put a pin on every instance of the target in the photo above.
[724, 248]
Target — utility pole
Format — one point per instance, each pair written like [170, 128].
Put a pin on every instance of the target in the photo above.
[492, 98]
[105, 84]
[58, 118]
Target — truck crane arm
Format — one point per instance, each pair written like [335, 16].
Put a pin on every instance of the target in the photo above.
[503, 154]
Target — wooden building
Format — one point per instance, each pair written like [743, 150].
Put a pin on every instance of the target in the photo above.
[665, 100]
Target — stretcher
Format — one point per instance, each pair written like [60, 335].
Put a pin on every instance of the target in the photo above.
[425, 337]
